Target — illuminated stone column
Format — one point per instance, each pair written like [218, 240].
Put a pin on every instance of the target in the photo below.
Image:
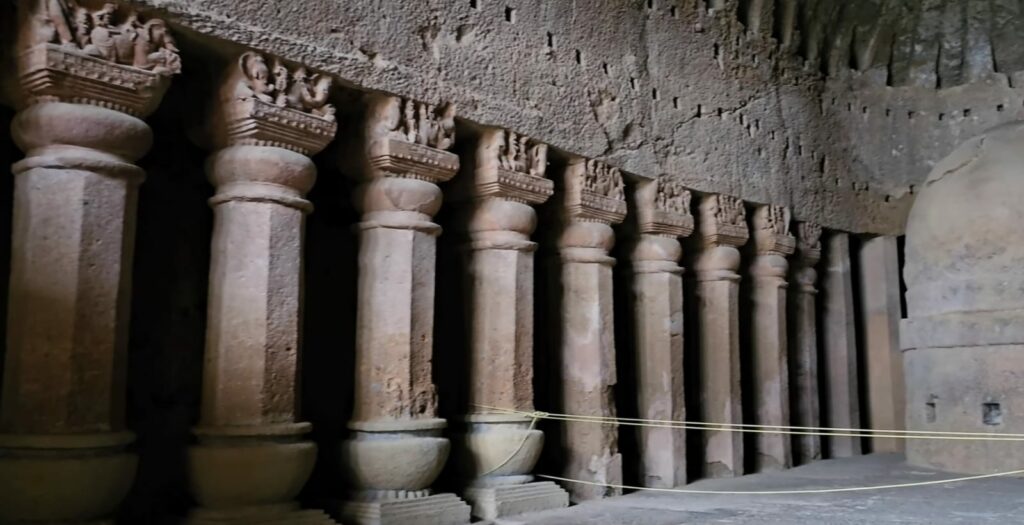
[252, 458]
[594, 199]
[508, 177]
[723, 226]
[63, 441]
[768, 335]
[840, 352]
[396, 450]
[804, 347]
[663, 208]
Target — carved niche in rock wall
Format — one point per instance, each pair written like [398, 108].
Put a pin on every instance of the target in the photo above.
[723, 220]
[595, 191]
[407, 138]
[107, 56]
[808, 238]
[771, 230]
[512, 166]
[663, 207]
[275, 105]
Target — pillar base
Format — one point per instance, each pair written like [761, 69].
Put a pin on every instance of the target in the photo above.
[65, 479]
[259, 516]
[438, 509]
[491, 503]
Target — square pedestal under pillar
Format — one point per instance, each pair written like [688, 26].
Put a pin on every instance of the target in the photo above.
[439, 509]
[491, 503]
[297, 517]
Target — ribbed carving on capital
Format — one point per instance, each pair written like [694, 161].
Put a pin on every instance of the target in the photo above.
[771, 231]
[109, 57]
[407, 138]
[723, 221]
[808, 243]
[663, 207]
[264, 102]
[594, 191]
[512, 166]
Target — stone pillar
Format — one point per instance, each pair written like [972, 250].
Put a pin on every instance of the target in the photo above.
[804, 358]
[723, 228]
[663, 208]
[768, 335]
[880, 310]
[594, 199]
[63, 441]
[396, 450]
[252, 458]
[840, 352]
[501, 450]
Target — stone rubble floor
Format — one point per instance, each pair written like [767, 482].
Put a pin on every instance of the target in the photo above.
[979, 502]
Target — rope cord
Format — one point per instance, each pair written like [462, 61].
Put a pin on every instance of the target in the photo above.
[526, 437]
[790, 492]
[768, 429]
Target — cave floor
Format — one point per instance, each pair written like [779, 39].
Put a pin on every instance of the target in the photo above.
[992, 500]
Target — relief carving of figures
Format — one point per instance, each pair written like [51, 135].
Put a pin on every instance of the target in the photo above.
[776, 220]
[296, 90]
[424, 124]
[145, 45]
[808, 236]
[604, 180]
[729, 210]
[672, 196]
[521, 154]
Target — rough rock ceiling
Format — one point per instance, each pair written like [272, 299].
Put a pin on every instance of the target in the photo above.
[926, 43]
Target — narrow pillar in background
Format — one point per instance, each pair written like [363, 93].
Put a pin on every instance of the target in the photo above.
[63, 442]
[594, 199]
[252, 458]
[663, 208]
[881, 312]
[768, 335]
[506, 179]
[723, 228]
[840, 352]
[396, 449]
[804, 347]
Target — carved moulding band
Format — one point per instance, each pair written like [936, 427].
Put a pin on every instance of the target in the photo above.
[49, 72]
[513, 185]
[413, 160]
[254, 122]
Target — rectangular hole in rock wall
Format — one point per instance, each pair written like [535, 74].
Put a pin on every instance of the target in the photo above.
[475, 4]
[510, 15]
[991, 414]
[579, 57]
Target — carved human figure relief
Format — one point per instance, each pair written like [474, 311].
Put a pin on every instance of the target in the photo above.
[146, 45]
[808, 236]
[672, 196]
[298, 89]
[421, 123]
[604, 180]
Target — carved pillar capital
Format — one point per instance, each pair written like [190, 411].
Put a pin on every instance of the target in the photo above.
[109, 57]
[772, 242]
[723, 228]
[595, 198]
[267, 122]
[663, 210]
[508, 178]
[808, 251]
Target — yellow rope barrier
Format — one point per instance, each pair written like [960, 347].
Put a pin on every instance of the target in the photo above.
[789, 492]
[762, 429]
[770, 429]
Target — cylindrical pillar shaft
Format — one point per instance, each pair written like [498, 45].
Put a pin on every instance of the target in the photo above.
[840, 352]
[62, 414]
[804, 348]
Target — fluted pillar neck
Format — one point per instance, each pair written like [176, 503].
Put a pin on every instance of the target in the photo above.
[723, 228]
[663, 209]
[261, 171]
[62, 412]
